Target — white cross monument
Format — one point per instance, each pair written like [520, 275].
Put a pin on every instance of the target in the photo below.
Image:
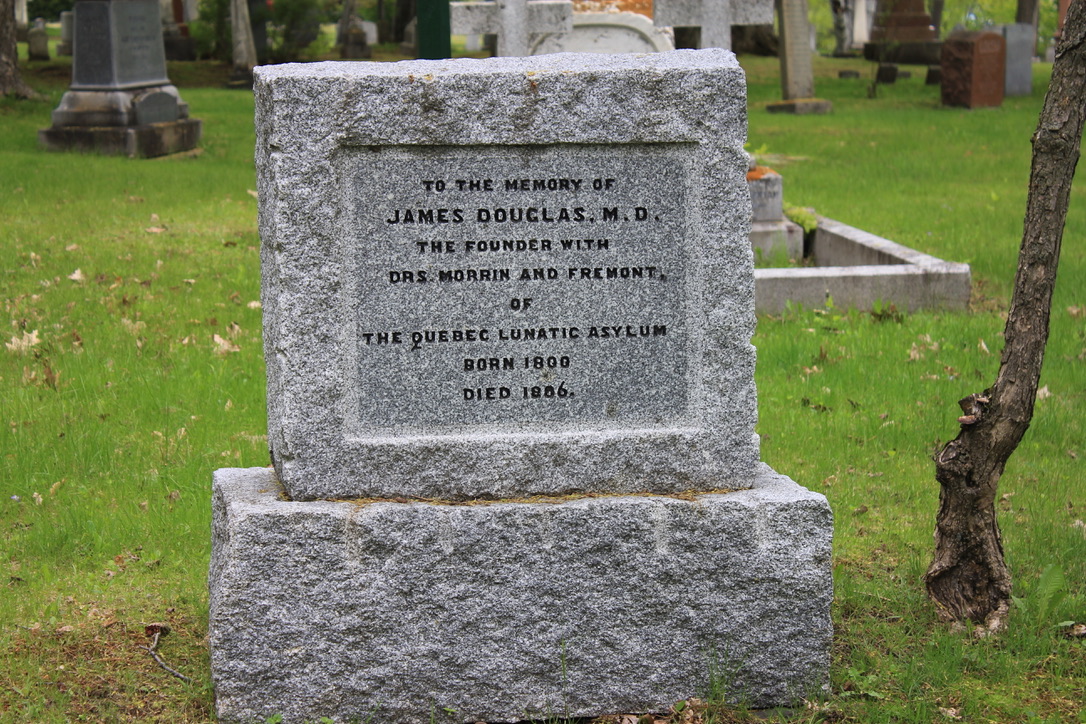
[714, 17]
[513, 21]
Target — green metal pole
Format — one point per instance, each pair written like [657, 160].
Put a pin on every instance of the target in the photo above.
[434, 34]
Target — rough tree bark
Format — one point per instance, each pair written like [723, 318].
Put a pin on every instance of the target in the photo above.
[11, 82]
[936, 13]
[968, 578]
[842, 20]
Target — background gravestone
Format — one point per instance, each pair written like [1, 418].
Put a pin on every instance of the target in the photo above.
[67, 25]
[244, 54]
[771, 233]
[22, 21]
[37, 41]
[617, 32]
[713, 18]
[120, 100]
[973, 70]
[355, 44]
[410, 43]
[476, 287]
[1021, 41]
[514, 22]
[903, 33]
[797, 73]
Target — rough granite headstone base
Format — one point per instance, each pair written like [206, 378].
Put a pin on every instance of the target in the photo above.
[147, 141]
[506, 611]
[801, 106]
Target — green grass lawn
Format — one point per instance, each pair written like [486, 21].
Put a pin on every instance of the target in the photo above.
[132, 368]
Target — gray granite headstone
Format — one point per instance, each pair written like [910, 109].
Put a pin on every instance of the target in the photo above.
[37, 41]
[118, 45]
[767, 196]
[67, 33]
[797, 75]
[487, 280]
[771, 233]
[550, 298]
[1021, 47]
[120, 100]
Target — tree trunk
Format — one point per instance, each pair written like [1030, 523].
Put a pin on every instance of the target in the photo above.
[936, 13]
[842, 22]
[1027, 12]
[11, 83]
[968, 578]
[345, 17]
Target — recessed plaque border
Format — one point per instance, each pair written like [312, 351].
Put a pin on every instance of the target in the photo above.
[356, 430]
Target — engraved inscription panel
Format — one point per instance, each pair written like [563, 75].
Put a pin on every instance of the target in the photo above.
[141, 57]
[515, 288]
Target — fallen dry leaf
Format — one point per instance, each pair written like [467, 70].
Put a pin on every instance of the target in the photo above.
[224, 346]
[155, 229]
[983, 347]
[131, 327]
[253, 305]
[77, 276]
[22, 345]
[252, 193]
[1044, 393]
[151, 629]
